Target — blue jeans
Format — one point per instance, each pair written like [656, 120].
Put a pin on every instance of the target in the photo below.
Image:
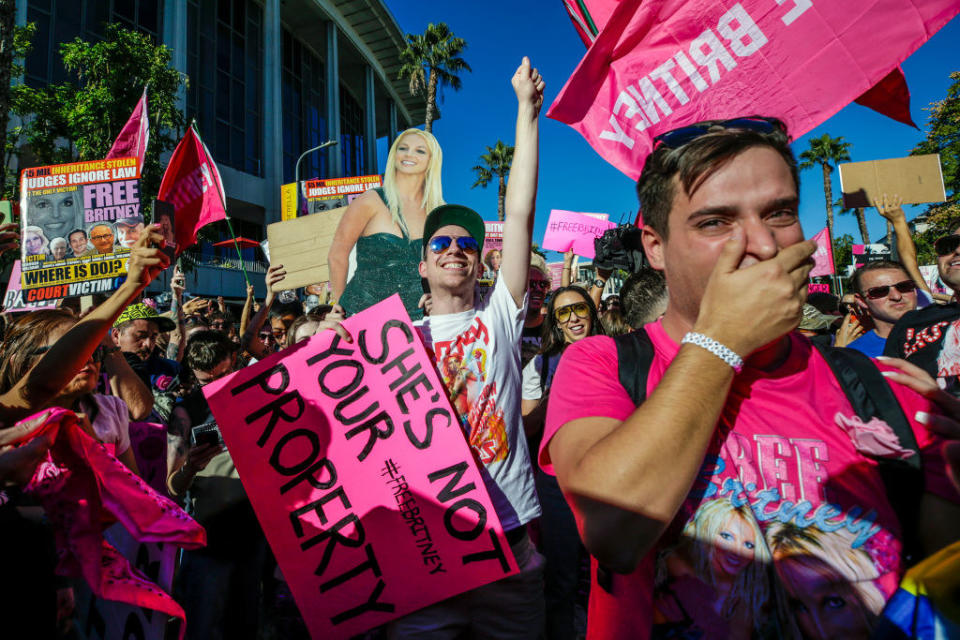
[221, 594]
[564, 552]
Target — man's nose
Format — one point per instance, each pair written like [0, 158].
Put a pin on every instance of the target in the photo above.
[760, 240]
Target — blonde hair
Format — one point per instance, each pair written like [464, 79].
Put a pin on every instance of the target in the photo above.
[432, 190]
[37, 231]
[832, 556]
[752, 585]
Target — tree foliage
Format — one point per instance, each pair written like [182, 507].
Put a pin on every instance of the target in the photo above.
[826, 152]
[943, 137]
[17, 43]
[80, 119]
[430, 62]
[496, 162]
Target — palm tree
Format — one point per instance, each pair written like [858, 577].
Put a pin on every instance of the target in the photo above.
[823, 151]
[861, 218]
[432, 61]
[496, 162]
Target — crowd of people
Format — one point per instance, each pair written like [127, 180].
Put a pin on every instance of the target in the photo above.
[706, 454]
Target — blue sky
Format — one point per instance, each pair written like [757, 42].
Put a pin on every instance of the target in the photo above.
[572, 175]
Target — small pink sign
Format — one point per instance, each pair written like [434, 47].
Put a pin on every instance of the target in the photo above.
[360, 474]
[571, 230]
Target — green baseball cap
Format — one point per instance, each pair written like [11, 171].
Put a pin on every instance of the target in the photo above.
[454, 214]
[141, 311]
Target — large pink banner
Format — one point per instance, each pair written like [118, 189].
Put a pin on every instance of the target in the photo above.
[571, 230]
[657, 66]
[360, 475]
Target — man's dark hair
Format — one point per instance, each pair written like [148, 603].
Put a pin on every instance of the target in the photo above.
[206, 349]
[293, 308]
[825, 303]
[77, 231]
[693, 163]
[875, 265]
[641, 295]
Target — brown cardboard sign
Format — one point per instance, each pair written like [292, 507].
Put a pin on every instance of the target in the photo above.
[301, 246]
[916, 179]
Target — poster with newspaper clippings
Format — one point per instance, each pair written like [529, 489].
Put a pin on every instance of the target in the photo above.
[324, 195]
[78, 223]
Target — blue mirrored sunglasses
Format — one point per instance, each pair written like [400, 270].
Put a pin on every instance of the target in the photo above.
[679, 137]
[467, 244]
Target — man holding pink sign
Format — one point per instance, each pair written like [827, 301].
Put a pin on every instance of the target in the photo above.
[474, 345]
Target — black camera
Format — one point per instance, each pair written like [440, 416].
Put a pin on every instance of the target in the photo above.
[620, 248]
[206, 433]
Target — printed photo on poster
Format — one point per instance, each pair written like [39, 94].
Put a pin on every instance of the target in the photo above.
[163, 214]
[78, 223]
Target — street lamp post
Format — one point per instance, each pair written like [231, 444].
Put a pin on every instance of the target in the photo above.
[296, 169]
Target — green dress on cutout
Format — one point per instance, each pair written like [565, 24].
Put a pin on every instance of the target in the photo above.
[386, 264]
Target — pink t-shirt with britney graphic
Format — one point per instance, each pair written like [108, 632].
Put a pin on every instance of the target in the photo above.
[786, 531]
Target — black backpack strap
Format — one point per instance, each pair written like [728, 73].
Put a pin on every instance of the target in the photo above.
[636, 349]
[871, 397]
[544, 370]
[634, 357]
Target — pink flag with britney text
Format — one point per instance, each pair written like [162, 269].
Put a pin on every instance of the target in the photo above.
[823, 256]
[133, 138]
[360, 474]
[193, 186]
[657, 66]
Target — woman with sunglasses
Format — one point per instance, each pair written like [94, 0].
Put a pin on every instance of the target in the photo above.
[28, 339]
[386, 226]
[571, 317]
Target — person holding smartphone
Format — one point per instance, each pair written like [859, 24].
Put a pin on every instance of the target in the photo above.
[217, 585]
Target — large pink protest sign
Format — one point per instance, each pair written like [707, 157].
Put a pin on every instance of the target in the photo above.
[360, 475]
[571, 230]
[657, 66]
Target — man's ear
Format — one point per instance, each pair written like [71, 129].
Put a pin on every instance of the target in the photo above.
[653, 247]
[115, 335]
[422, 269]
[860, 302]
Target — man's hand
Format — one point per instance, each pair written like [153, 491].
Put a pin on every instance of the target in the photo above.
[528, 85]
[199, 456]
[146, 258]
[332, 322]
[889, 207]
[9, 237]
[425, 303]
[850, 329]
[194, 305]
[746, 309]
[249, 292]
[177, 283]
[275, 274]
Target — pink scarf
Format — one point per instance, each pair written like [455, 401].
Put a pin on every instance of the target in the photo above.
[84, 490]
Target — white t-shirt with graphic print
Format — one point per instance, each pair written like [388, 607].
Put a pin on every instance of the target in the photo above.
[477, 356]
